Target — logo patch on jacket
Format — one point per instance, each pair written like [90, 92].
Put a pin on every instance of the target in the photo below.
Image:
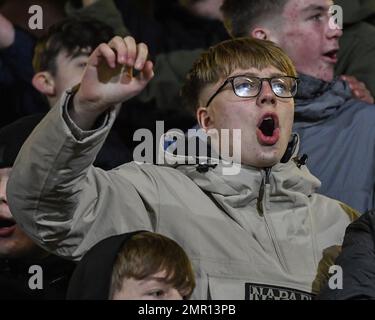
[256, 291]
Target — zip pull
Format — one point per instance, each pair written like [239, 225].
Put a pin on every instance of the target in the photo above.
[268, 173]
[300, 161]
[260, 198]
[265, 181]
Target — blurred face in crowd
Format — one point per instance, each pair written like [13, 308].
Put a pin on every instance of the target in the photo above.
[154, 287]
[307, 38]
[69, 71]
[265, 121]
[14, 243]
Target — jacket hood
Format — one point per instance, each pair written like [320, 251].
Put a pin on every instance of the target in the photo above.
[177, 148]
[317, 99]
[236, 188]
[245, 186]
[91, 279]
[235, 194]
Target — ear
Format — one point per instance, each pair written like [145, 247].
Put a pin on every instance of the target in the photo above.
[260, 33]
[44, 83]
[204, 118]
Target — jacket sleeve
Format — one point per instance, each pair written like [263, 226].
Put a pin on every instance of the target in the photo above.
[63, 202]
[357, 261]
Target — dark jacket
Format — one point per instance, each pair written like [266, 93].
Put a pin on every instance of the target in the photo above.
[357, 261]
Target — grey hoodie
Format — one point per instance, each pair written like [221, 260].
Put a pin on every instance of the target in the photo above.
[338, 134]
[255, 235]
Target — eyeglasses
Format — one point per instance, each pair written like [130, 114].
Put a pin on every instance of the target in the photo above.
[247, 86]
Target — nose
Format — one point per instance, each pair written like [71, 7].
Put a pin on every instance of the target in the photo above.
[333, 30]
[266, 95]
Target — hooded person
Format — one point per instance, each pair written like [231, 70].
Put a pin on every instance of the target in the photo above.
[136, 265]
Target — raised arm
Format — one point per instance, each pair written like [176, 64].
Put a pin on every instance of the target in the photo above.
[55, 194]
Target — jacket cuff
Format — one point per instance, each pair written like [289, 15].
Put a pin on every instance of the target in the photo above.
[104, 122]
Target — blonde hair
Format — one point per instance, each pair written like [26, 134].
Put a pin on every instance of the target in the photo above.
[219, 61]
[147, 253]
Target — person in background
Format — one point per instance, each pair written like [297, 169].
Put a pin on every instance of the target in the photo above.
[337, 132]
[60, 59]
[135, 266]
[17, 43]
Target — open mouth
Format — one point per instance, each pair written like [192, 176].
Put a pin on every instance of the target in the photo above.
[268, 131]
[331, 55]
[7, 227]
[7, 223]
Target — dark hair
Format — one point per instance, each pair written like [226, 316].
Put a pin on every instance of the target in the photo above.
[241, 15]
[219, 61]
[74, 35]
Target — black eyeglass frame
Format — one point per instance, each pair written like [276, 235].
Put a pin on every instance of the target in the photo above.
[231, 80]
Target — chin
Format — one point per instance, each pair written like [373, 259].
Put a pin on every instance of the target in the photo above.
[268, 159]
[262, 161]
[326, 75]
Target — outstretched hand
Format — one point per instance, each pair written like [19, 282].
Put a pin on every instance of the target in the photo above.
[108, 79]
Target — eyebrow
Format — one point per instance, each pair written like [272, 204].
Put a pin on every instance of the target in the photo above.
[314, 7]
[250, 74]
[159, 279]
[78, 55]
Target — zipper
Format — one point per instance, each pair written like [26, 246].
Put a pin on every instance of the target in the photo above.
[263, 199]
[265, 181]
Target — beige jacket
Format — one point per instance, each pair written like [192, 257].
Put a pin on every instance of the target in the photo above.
[244, 244]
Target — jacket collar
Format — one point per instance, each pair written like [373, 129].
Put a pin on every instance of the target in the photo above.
[317, 99]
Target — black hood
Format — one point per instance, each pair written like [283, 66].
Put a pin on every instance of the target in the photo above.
[92, 278]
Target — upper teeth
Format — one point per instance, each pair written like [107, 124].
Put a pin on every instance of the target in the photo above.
[268, 118]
